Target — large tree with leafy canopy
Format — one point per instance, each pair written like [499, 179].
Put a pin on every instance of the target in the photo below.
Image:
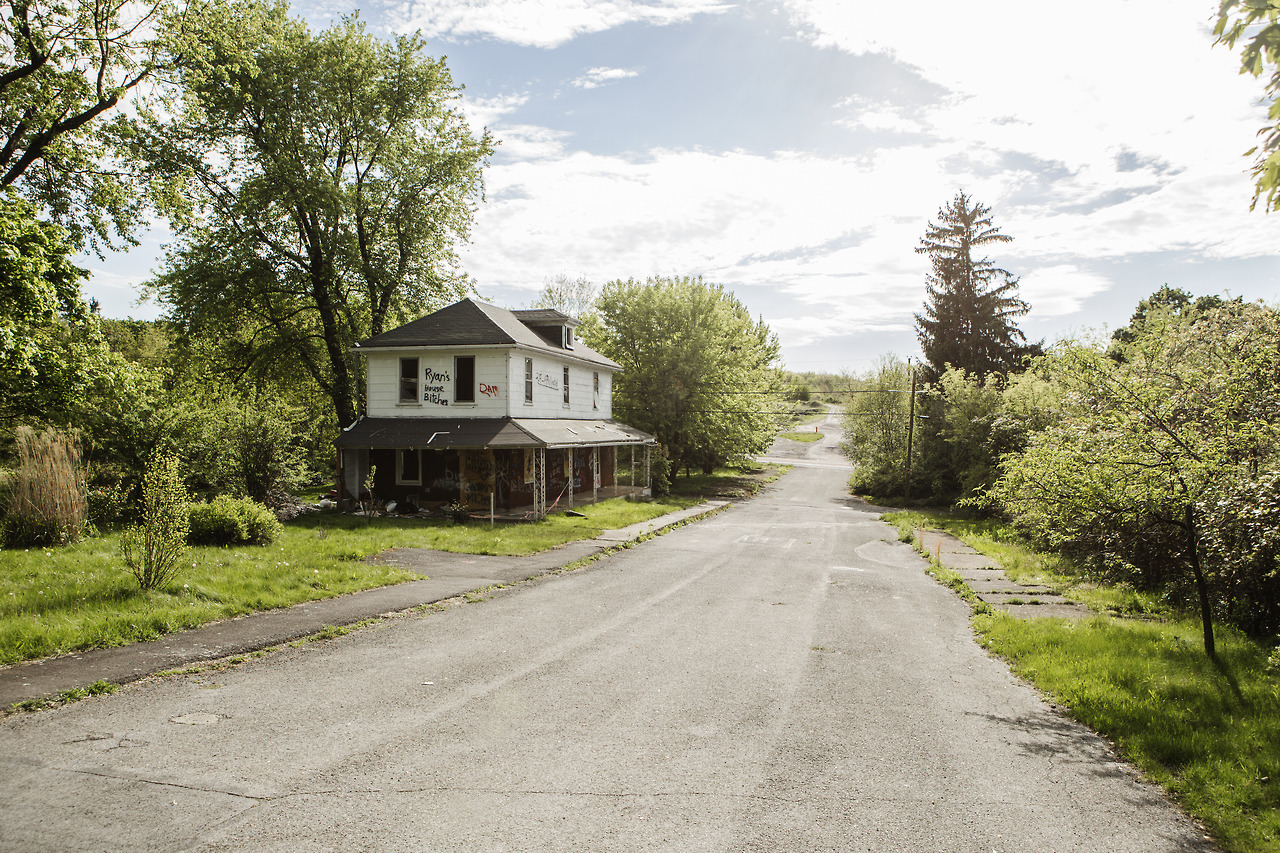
[1161, 465]
[66, 67]
[968, 317]
[698, 372]
[326, 181]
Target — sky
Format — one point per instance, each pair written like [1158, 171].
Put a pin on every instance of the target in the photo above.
[796, 150]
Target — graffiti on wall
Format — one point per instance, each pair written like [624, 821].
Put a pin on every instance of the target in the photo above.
[489, 390]
[433, 389]
[477, 470]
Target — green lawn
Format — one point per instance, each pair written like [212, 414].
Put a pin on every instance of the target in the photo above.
[806, 437]
[65, 599]
[1208, 731]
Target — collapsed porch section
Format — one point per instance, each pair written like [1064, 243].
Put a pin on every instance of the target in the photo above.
[507, 464]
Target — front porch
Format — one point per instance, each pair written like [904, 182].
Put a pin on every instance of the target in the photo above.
[510, 470]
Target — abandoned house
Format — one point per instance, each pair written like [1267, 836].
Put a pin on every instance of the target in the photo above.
[490, 408]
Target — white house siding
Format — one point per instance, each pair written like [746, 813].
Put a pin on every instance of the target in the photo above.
[436, 377]
[548, 390]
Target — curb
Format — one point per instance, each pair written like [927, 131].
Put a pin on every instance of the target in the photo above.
[51, 681]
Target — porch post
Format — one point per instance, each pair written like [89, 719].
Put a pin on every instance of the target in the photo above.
[568, 451]
[595, 474]
[540, 483]
[648, 482]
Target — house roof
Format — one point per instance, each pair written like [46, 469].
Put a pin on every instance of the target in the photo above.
[478, 433]
[474, 323]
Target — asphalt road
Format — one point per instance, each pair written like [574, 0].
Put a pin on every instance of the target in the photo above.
[781, 677]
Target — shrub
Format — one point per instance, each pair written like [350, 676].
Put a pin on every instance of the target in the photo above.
[231, 521]
[107, 504]
[153, 549]
[660, 472]
[47, 503]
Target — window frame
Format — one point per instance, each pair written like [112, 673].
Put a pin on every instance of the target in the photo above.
[458, 389]
[566, 388]
[595, 390]
[401, 453]
[416, 397]
[528, 381]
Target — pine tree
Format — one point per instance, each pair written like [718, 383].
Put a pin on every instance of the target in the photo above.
[968, 318]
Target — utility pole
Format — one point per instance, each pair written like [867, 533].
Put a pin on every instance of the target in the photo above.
[911, 428]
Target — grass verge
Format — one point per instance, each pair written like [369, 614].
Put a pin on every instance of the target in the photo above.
[1207, 731]
[76, 597]
[805, 437]
[733, 481]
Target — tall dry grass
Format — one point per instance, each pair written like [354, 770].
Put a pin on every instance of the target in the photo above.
[48, 496]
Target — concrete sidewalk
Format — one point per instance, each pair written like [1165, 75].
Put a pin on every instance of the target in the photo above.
[448, 575]
[989, 583]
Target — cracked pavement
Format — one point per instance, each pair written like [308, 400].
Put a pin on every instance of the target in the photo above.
[782, 676]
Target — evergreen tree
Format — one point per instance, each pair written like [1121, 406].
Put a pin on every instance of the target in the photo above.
[968, 318]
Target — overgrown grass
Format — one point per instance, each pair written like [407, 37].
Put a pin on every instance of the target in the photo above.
[1208, 731]
[1023, 565]
[732, 481]
[806, 437]
[64, 599]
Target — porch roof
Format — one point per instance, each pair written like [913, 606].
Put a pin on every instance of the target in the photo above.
[476, 433]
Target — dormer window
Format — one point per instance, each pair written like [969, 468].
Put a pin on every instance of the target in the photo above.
[568, 337]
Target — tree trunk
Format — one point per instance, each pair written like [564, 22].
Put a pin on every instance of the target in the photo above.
[1193, 552]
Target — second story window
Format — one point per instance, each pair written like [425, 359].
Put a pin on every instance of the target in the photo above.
[566, 386]
[408, 380]
[464, 379]
[595, 390]
[528, 380]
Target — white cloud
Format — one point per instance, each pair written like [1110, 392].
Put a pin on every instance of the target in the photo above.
[1058, 290]
[543, 23]
[485, 112]
[596, 77]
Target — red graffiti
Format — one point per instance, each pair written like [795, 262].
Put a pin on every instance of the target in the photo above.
[489, 390]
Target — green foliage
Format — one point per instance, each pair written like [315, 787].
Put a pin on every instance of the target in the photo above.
[698, 372]
[875, 428]
[1257, 24]
[49, 348]
[1158, 308]
[1156, 461]
[231, 521]
[659, 472]
[971, 424]
[66, 68]
[968, 318]
[153, 549]
[255, 450]
[46, 502]
[325, 182]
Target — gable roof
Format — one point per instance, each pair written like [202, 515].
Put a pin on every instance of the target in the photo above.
[474, 323]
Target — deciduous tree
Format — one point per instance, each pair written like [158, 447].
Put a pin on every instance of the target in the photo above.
[1153, 453]
[327, 181]
[698, 372]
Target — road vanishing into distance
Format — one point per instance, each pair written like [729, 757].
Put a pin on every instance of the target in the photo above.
[782, 676]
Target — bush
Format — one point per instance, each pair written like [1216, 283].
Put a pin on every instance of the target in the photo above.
[231, 521]
[153, 549]
[107, 504]
[660, 472]
[46, 503]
